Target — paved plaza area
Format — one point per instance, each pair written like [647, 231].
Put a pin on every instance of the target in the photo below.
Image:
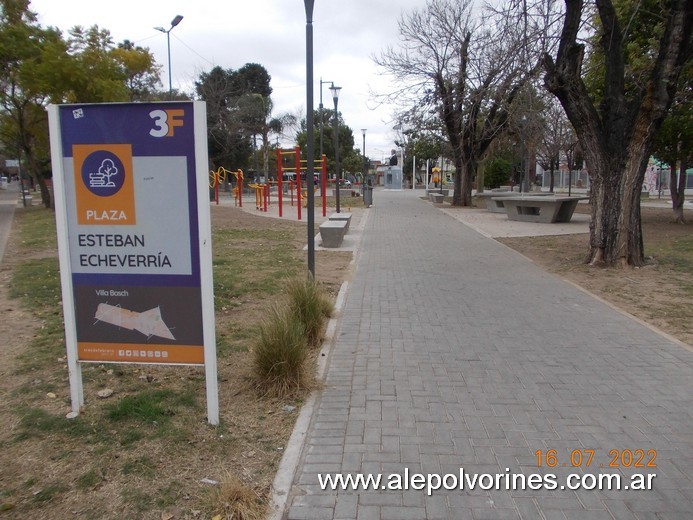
[456, 357]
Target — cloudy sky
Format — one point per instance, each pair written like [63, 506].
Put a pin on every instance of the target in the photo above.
[347, 33]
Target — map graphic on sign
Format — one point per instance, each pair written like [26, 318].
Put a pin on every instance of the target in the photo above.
[150, 323]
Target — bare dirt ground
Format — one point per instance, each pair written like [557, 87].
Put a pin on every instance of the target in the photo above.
[105, 470]
[101, 475]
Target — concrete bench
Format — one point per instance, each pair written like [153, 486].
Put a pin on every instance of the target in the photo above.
[438, 198]
[345, 216]
[332, 232]
[540, 209]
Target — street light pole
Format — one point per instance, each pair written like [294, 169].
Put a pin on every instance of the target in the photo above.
[320, 110]
[310, 173]
[335, 97]
[365, 161]
[174, 22]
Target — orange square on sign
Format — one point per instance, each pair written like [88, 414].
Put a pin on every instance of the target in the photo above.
[104, 184]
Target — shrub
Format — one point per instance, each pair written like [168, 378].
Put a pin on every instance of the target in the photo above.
[311, 305]
[497, 172]
[280, 354]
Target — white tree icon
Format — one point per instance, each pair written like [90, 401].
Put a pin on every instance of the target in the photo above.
[102, 178]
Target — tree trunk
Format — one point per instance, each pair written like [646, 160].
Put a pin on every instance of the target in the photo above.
[551, 179]
[468, 170]
[458, 191]
[462, 195]
[616, 139]
[615, 230]
[34, 171]
[677, 189]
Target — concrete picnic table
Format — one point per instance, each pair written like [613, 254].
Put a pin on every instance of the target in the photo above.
[494, 199]
[540, 209]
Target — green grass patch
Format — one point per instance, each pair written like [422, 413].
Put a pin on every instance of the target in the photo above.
[149, 406]
[251, 263]
[35, 422]
[89, 480]
[143, 466]
[37, 283]
[139, 500]
[49, 492]
[677, 255]
[38, 230]
[130, 436]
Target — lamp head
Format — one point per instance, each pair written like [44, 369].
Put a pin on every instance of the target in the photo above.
[335, 92]
[160, 29]
[176, 21]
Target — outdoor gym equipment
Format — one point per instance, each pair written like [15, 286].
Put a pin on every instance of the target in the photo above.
[221, 176]
[297, 183]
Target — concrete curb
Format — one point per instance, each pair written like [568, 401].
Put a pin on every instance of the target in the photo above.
[281, 486]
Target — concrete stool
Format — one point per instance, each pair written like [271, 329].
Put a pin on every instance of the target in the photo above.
[332, 232]
[336, 217]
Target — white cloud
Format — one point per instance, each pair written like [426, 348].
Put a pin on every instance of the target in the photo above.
[346, 33]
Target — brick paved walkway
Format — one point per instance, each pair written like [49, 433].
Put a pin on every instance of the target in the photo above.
[455, 352]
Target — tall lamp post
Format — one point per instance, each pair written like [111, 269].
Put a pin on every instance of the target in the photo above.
[365, 161]
[174, 22]
[335, 97]
[310, 177]
[320, 110]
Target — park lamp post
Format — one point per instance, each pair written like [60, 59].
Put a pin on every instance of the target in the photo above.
[174, 22]
[310, 173]
[365, 160]
[335, 97]
[320, 108]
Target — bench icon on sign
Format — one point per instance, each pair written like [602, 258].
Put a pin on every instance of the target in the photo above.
[102, 178]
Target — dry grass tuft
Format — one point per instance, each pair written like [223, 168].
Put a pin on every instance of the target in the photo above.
[281, 354]
[237, 501]
[312, 305]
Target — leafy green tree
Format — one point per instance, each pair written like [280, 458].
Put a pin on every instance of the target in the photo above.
[421, 140]
[349, 159]
[96, 76]
[674, 143]
[40, 68]
[228, 145]
[139, 71]
[497, 172]
[238, 108]
[35, 64]
[643, 47]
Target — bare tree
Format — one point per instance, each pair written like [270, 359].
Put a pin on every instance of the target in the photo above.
[467, 73]
[616, 135]
[557, 133]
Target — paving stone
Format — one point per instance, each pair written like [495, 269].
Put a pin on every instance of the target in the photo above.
[453, 351]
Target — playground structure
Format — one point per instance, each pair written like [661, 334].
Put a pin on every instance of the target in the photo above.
[263, 190]
[221, 176]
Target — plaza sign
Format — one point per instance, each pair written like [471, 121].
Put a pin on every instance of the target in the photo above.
[132, 214]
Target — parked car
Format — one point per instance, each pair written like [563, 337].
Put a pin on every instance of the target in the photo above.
[345, 182]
